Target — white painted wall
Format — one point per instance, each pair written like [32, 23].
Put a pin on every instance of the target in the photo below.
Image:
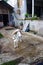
[23, 9]
[40, 31]
[35, 25]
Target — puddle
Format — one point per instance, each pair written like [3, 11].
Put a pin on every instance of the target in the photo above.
[38, 61]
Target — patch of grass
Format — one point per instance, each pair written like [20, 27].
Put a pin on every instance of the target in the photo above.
[11, 63]
[14, 62]
[32, 18]
[1, 36]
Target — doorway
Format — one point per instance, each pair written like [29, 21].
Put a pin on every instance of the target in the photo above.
[29, 7]
[38, 8]
[37, 11]
[5, 19]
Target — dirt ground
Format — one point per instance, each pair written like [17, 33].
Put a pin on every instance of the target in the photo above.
[30, 48]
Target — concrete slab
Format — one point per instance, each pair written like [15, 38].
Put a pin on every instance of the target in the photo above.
[23, 64]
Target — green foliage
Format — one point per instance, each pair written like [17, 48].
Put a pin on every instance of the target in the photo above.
[1, 36]
[32, 18]
[13, 62]
[26, 15]
[10, 63]
[21, 24]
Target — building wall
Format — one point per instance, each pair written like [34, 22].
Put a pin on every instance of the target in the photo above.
[22, 9]
[4, 10]
[11, 19]
[35, 25]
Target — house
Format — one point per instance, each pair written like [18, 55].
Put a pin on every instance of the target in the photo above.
[6, 11]
[32, 7]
